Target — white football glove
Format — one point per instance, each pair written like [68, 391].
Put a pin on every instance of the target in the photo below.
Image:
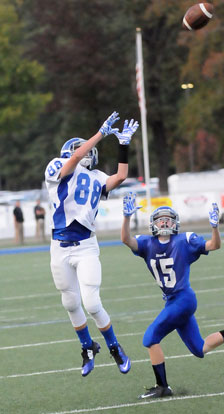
[129, 206]
[214, 215]
[106, 127]
[129, 129]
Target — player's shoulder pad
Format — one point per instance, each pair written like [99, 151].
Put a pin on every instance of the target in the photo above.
[54, 167]
[190, 235]
[143, 237]
[103, 174]
[95, 171]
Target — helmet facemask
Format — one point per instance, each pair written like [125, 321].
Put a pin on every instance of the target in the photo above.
[164, 221]
[91, 159]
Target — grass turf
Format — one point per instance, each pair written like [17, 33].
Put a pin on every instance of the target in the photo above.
[40, 354]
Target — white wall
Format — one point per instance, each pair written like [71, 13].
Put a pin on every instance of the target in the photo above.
[189, 182]
[109, 218]
[191, 206]
[7, 219]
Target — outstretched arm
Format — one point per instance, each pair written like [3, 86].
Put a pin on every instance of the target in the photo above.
[124, 138]
[129, 208]
[126, 237]
[82, 151]
[215, 242]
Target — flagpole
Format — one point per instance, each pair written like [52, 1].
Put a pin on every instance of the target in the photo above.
[142, 105]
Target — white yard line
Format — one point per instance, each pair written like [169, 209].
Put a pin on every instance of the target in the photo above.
[42, 295]
[128, 317]
[155, 401]
[58, 371]
[62, 341]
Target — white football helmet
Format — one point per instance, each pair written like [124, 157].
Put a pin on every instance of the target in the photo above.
[169, 220]
[69, 147]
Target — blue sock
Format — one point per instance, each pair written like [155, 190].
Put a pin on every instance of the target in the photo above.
[160, 374]
[85, 338]
[110, 337]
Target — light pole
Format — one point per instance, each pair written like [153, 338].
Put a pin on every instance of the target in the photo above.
[187, 87]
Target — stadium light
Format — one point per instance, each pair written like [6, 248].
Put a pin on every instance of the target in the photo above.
[187, 86]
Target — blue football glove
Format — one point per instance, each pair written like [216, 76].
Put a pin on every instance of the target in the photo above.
[129, 129]
[106, 128]
[214, 215]
[129, 206]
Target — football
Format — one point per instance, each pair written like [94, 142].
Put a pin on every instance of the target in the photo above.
[197, 16]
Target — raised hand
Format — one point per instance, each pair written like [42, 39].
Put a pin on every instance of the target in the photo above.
[214, 215]
[106, 128]
[129, 129]
[129, 206]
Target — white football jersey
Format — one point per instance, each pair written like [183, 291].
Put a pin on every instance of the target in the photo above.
[76, 196]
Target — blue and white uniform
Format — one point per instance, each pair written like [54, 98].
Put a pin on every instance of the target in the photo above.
[75, 197]
[75, 264]
[169, 264]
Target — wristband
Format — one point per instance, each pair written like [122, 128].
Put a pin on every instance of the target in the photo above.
[123, 154]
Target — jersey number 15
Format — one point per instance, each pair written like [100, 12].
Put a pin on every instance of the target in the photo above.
[164, 267]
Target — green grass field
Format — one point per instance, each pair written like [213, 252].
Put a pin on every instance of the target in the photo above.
[40, 355]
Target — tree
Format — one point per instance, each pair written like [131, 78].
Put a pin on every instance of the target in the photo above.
[163, 57]
[89, 55]
[20, 99]
[198, 156]
[91, 60]
[204, 107]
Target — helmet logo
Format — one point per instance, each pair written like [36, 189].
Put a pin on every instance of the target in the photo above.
[70, 146]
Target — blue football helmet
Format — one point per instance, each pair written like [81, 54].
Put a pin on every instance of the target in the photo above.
[69, 147]
[165, 215]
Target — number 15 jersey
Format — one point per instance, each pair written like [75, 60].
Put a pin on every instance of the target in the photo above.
[170, 262]
[76, 196]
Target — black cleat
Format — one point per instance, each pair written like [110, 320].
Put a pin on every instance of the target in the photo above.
[88, 356]
[121, 359]
[157, 392]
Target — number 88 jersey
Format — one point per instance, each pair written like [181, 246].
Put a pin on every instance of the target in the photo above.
[76, 196]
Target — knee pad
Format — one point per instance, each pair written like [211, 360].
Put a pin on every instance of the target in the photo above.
[91, 299]
[198, 354]
[70, 300]
[147, 340]
[150, 337]
[196, 351]
[93, 307]
[101, 318]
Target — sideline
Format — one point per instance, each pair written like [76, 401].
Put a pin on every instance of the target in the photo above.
[36, 249]
[46, 248]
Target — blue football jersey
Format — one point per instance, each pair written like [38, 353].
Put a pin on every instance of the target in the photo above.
[170, 262]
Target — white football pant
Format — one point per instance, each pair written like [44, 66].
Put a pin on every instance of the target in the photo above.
[76, 272]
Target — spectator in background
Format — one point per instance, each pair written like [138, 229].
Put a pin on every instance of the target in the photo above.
[39, 213]
[18, 222]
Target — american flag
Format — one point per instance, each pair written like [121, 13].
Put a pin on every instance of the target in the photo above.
[138, 84]
[139, 72]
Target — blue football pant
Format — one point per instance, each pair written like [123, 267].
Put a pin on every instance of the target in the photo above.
[178, 314]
